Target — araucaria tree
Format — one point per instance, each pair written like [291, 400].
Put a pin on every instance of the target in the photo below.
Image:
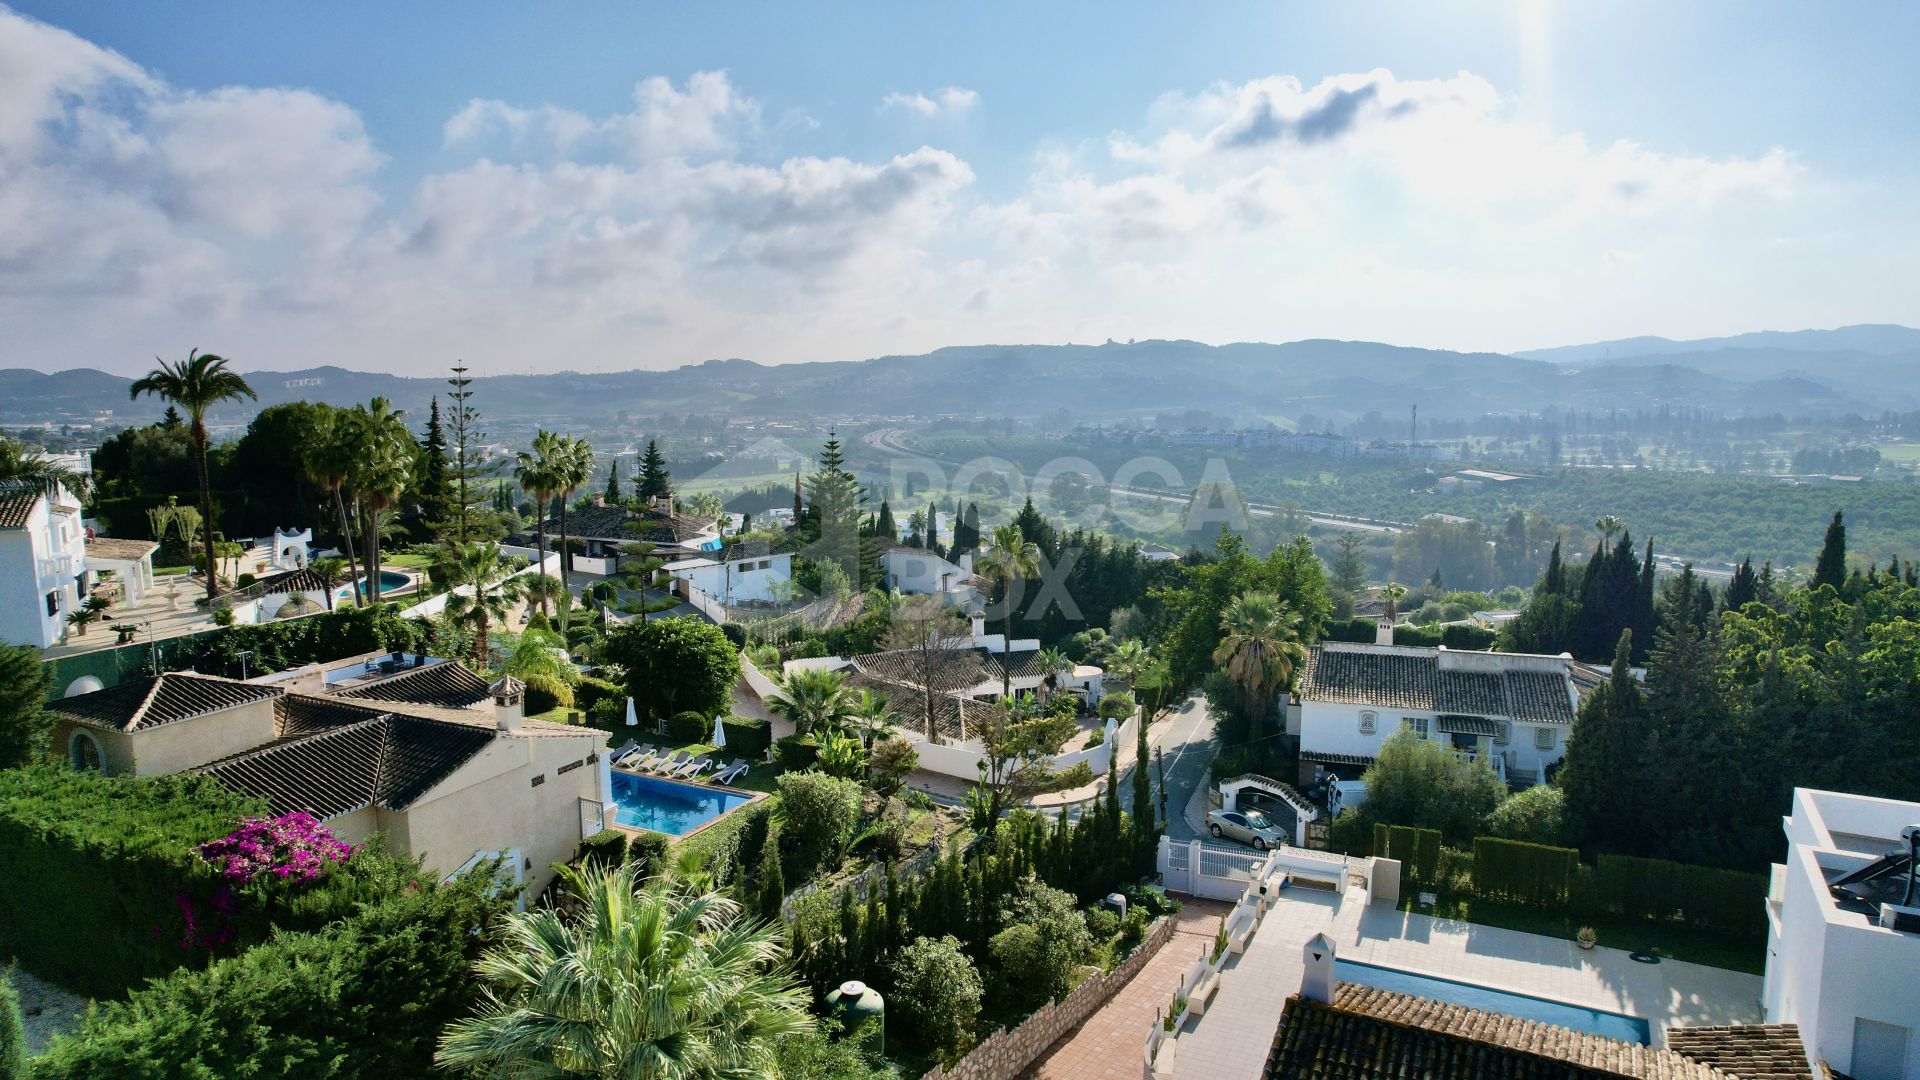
[649, 979]
[196, 385]
[654, 481]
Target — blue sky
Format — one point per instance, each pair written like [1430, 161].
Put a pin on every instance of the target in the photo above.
[606, 185]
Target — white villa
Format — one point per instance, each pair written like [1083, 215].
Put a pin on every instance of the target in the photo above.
[737, 578]
[918, 572]
[1843, 934]
[43, 557]
[419, 750]
[1511, 710]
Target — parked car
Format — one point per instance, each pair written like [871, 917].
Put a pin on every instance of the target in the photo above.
[1246, 826]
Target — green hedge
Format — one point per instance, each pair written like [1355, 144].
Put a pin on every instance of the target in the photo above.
[729, 845]
[689, 727]
[101, 870]
[277, 646]
[747, 737]
[1453, 636]
[365, 997]
[1698, 895]
[591, 690]
[606, 848]
[1418, 851]
[796, 752]
[1523, 873]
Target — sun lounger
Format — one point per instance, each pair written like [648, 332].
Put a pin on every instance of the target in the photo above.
[731, 773]
[635, 756]
[692, 768]
[619, 755]
[646, 759]
[669, 766]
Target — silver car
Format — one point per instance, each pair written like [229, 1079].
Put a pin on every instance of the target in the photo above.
[1246, 826]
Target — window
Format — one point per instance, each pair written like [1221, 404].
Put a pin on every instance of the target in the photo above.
[84, 753]
[53, 602]
[1543, 738]
[1504, 735]
[1417, 723]
[1367, 722]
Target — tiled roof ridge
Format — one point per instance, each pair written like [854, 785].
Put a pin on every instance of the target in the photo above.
[146, 700]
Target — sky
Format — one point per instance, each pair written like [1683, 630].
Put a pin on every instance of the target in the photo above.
[602, 186]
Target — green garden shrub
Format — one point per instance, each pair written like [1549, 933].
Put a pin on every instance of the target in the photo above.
[545, 693]
[1417, 850]
[1704, 896]
[727, 847]
[650, 851]
[748, 737]
[689, 727]
[592, 690]
[796, 752]
[13, 1033]
[818, 816]
[1523, 873]
[606, 848]
[364, 998]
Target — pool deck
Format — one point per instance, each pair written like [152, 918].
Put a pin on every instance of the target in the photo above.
[1231, 1041]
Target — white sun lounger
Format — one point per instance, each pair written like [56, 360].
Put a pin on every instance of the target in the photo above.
[628, 747]
[692, 768]
[731, 773]
[646, 759]
[632, 758]
[670, 765]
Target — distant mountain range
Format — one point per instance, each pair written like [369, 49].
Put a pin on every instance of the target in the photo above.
[1863, 369]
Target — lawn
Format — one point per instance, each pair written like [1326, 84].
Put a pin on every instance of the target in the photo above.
[1671, 940]
[411, 562]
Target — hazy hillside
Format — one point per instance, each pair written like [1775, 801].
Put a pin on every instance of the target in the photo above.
[1856, 369]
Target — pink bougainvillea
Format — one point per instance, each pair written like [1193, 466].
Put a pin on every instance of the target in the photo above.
[292, 847]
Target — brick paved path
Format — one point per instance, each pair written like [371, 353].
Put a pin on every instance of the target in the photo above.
[1109, 1045]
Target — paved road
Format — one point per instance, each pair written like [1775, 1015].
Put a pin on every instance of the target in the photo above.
[1186, 748]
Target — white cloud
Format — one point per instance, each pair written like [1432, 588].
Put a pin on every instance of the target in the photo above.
[950, 101]
[137, 217]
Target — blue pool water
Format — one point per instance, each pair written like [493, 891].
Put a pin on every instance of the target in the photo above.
[389, 582]
[648, 802]
[1611, 1025]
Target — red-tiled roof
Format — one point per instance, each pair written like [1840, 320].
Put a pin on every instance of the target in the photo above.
[448, 685]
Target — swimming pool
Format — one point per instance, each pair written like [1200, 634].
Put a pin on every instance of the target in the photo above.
[390, 581]
[648, 802]
[1594, 1021]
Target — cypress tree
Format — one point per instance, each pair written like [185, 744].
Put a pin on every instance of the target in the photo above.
[873, 936]
[13, 1032]
[851, 949]
[1741, 591]
[1643, 613]
[1554, 581]
[1763, 590]
[933, 526]
[886, 527]
[613, 483]
[1601, 773]
[1592, 604]
[655, 482]
[1831, 568]
[432, 490]
[1145, 830]
[773, 882]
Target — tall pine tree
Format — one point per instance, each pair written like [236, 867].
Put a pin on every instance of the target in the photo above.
[1742, 590]
[436, 498]
[654, 482]
[1831, 568]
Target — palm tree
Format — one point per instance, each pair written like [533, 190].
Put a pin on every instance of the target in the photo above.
[1054, 671]
[572, 468]
[196, 385]
[383, 453]
[871, 713]
[1128, 659]
[652, 979]
[1608, 526]
[1392, 591]
[538, 473]
[1011, 559]
[491, 597]
[329, 458]
[1259, 649]
[22, 467]
[328, 570]
[813, 699]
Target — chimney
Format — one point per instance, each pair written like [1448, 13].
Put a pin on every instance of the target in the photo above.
[1383, 631]
[979, 624]
[1316, 983]
[509, 704]
[599, 498]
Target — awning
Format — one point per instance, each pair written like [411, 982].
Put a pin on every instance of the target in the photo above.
[1454, 724]
[1335, 759]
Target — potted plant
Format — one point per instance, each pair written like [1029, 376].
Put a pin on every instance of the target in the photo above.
[1220, 940]
[1586, 937]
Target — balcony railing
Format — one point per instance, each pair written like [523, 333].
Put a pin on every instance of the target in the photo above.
[58, 566]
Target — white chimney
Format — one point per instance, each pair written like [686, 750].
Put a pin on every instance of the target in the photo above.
[1316, 983]
[979, 625]
[1383, 631]
[509, 704]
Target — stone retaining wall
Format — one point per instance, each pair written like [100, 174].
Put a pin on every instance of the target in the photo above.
[1007, 1052]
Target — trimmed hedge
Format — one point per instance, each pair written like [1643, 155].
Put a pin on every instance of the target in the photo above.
[1656, 889]
[747, 737]
[1523, 873]
[592, 690]
[689, 727]
[729, 845]
[606, 848]
[1453, 635]
[365, 997]
[102, 872]
[796, 752]
[1418, 850]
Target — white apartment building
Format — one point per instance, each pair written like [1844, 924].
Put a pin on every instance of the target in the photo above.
[1843, 935]
[43, 563]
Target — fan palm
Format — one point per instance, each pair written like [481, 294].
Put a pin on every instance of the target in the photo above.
[572, 468]
[1259, 649]
[650, 979]
[328, 570]
[1055, 669]
[328, 457]
[379, 470]
[871, 714]
[196, 385]
[1127, 659]
[1391, 592]
[538, 472]
[1608, 526]
[480, 596]
[1012, 559]
[813, 699]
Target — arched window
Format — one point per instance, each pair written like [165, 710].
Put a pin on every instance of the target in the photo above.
[84, 753]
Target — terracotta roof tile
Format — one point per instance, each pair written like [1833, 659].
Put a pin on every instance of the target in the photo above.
[1748, 1051]
[107, 547]
[1404, 678]
[447, 684]
[16, 506]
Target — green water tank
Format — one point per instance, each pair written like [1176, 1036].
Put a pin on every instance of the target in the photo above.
[854, 1003]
